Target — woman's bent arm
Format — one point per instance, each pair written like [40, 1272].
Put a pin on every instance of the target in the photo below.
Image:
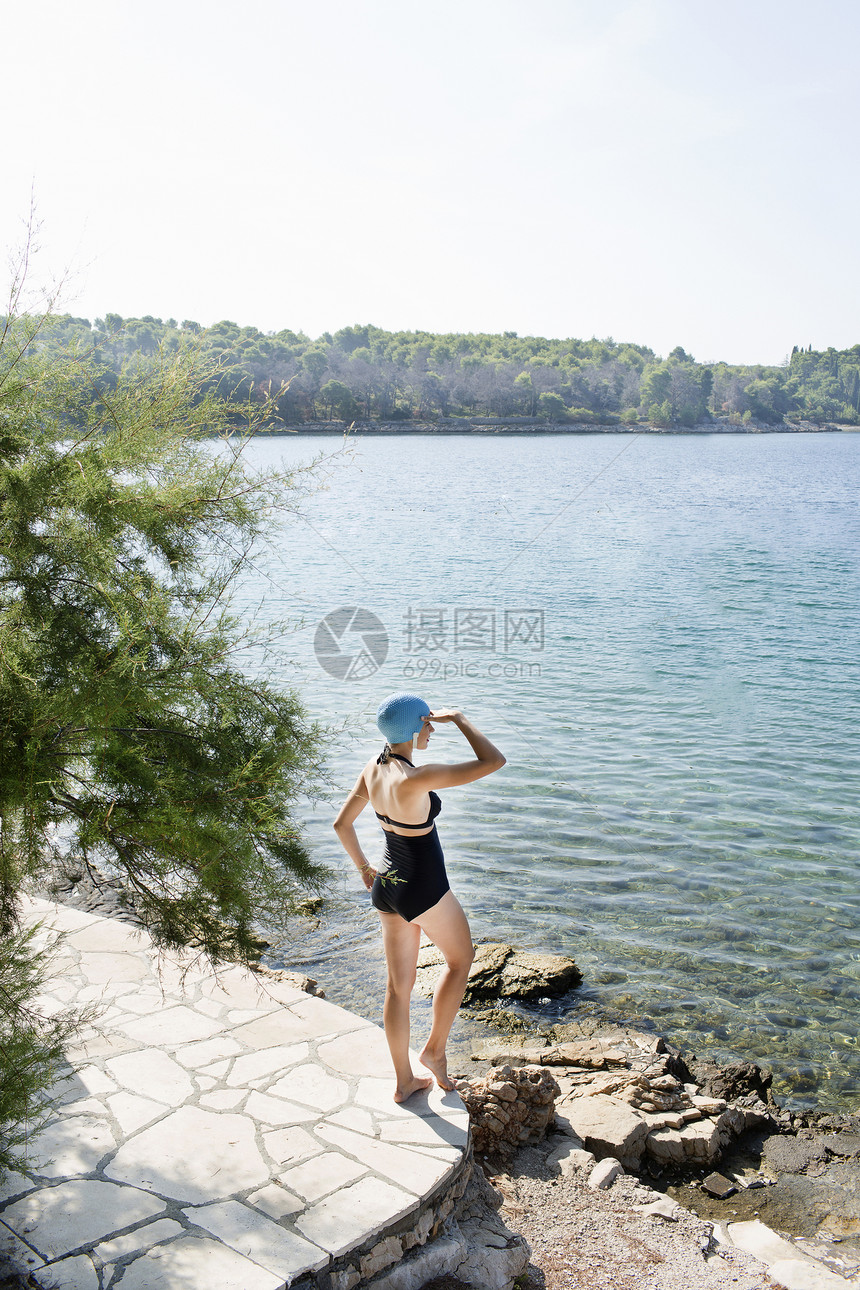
[487, 756]
[344, 827]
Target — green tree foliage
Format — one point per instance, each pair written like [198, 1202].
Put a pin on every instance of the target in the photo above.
[130, 738]
[401, 375]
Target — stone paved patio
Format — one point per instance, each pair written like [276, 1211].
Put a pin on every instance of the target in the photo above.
[232, 1133]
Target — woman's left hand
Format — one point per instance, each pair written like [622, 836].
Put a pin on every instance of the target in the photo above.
[368, 873]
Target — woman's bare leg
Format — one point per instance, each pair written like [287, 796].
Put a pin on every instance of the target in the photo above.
[401, 941]
[448, 929]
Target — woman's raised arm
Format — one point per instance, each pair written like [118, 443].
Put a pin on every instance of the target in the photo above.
[487, 756]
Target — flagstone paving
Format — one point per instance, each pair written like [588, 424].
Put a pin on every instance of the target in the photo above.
[223, 1131]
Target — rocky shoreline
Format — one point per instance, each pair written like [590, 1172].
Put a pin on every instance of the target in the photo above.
[709, 1138]
[589, 1110]
[536, 425]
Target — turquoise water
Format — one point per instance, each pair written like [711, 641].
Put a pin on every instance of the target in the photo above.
[661, 633]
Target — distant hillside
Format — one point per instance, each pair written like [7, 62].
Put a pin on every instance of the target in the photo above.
[367, 374]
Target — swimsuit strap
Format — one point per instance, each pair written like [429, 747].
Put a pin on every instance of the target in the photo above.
[386, 755]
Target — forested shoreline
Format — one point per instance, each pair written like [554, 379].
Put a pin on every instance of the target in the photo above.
[366, 374]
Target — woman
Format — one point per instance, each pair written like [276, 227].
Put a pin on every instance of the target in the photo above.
[412, 893]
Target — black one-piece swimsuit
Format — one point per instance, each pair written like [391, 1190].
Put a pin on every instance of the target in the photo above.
[414, 879]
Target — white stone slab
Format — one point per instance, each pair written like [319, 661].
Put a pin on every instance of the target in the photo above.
[108, 936]
[77, 1273]
[378, 1095]
[71, 1146]
[193, 1155]
[237, 988]
[206, 1051]
[88, 1080]
[174, 1026]
[14, 1184]
[281, 1027]
[364, 1053]
[800, 1273]
[284, 993]
[145, 1002]
[94, 1045]
[258, 1238]
[151, 1071]
[275, 1111]
[406, 1168]
[353, 1117]
[142, 1238]
[322, 1175]
[286, 1145]
[195, 1264]
[323, 1020]
[255, 1066]
[209, 1008]
[446, 1103]
[105, 968]
[55, 1220]
[346, 1218]
[86, 1106]
[238, 1016]
[276, 1201]
[221, 1099]
[428, 1131]
[205, 1082]
[446, 1155]
[217, 1069]
[759, 1240]
[61, 918]
[312, 1085]
[179, 976]
[132, 1113]
[13, 1249]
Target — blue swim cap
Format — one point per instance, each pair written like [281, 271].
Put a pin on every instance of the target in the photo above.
[399, 717]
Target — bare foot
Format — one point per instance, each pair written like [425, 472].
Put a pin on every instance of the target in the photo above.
[439, 1067]
[415, 1085]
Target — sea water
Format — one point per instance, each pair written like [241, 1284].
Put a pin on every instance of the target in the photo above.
[662, 634]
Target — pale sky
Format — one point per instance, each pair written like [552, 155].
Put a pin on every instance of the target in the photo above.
[669, 172]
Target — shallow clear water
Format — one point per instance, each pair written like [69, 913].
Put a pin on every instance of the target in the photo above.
[673, 677]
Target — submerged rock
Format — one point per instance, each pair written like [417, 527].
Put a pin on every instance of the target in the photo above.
[502, 972]
[736, 1080]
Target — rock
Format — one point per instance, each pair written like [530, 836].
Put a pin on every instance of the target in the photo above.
[604, 1174]
[301, 982]
[501, 971]
[608, 1128]
[435, 1259]
[569, 1159]
[793, 1155]
[509, 1107]
[801, 1274]
[708, 1105]
[736, 1080]
[588, 1054]
[718, 1185]
[665, 1207]
[842, 1144]
[562, 1124]
[666, 1146]
[495, 1256]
